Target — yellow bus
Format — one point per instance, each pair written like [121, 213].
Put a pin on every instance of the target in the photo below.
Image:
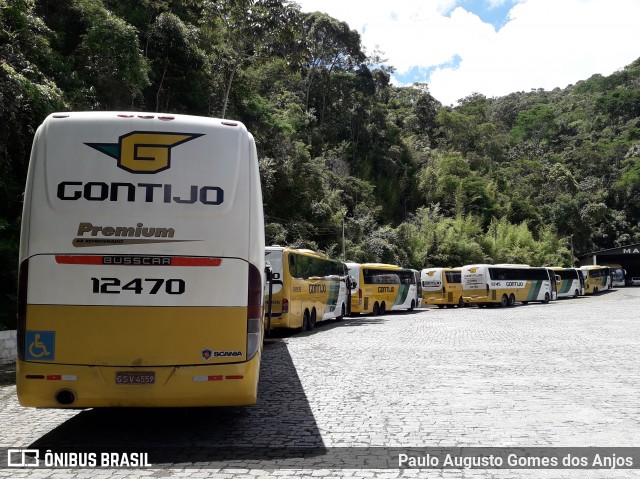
[307, 287]
[505, 285]
[141, 263]
[570, 284]
[378, 288]
[596, 278]
[442, 287]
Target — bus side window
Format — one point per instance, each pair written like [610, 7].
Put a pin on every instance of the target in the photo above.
[292, 266]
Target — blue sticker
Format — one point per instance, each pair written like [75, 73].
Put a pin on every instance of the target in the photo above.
[41, 346]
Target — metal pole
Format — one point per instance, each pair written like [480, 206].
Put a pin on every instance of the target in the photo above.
[573, 258]
[343, 250]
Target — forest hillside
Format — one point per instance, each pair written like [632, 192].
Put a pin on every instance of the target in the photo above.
[522, 178]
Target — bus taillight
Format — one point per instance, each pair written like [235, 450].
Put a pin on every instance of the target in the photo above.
[285, 305]
[254, 311]
[23, 281]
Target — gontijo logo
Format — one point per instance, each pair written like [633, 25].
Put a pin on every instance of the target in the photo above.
[144, 151]
[141, 152]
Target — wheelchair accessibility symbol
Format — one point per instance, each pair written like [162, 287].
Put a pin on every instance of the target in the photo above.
[41, 346]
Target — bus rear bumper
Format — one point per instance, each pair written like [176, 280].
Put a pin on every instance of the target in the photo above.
[72, 386]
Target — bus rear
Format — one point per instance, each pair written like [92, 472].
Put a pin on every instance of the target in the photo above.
[141, 263]
[442, 287]
[379, 288]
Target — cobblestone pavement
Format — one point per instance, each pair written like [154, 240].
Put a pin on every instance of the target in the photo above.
[565, 374]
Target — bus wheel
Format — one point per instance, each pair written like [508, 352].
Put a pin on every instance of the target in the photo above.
[342, 313]
[575, 293]
[546, 298]
[441, 306]
[595, 290]
[312, 319]
[525, 302]
[450, 305]
[376, 309]
[383, 308]
[413, 305]
[461, 302]
[512, 300]
[504, 302]
[305, 321]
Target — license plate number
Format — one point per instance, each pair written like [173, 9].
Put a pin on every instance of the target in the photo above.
[135, 377]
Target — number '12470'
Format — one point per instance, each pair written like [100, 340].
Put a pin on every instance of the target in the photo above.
[138, 286]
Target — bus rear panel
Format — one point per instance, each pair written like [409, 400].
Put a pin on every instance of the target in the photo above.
[442, 287]
[142, 263]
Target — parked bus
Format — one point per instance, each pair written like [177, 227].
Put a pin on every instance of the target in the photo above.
[569, 284]
[505, 284]
[596, 278]
[416, 276]
[141, 263]
[582, 277]
[442, 287]
[307, 287]
[378, 288]
[618, 275]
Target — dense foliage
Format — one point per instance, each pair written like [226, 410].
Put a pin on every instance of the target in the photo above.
[520, 178]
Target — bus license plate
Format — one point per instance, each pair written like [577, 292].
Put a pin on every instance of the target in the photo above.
[135, 377]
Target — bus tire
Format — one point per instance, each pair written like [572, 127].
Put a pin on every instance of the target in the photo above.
[546, 298]
[504, 302]
[413, 305]
[512, 300]
[376, 309]
[441, 306]
[576, 293]
[450, 305]
[383, 308]
[312, 319]
[342, 313]
[305, 321]
[461, 302]
[525, 302]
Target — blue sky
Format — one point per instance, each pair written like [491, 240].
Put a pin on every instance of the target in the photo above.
[493, 47]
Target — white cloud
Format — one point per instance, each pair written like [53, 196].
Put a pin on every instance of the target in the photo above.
[544, 44]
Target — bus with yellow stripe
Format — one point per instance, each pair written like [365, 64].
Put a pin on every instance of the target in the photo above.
[307, 287]
[141, 263]
[596, 278]
[571, 284]
[442, 287]
[379, 288]
[504, 285]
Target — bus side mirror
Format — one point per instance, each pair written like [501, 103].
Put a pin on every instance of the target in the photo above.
[267, 271]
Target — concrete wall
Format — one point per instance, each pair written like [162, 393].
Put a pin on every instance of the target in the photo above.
[8, 345]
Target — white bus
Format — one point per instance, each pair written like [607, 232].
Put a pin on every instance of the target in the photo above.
[570, 284]
[141, 263]
[618, 275]
[505, 285]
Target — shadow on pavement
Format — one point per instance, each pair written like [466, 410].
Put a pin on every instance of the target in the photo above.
[280, 426]
[7, 374]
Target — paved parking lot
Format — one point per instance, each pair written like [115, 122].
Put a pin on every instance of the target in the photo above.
[565, 374]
